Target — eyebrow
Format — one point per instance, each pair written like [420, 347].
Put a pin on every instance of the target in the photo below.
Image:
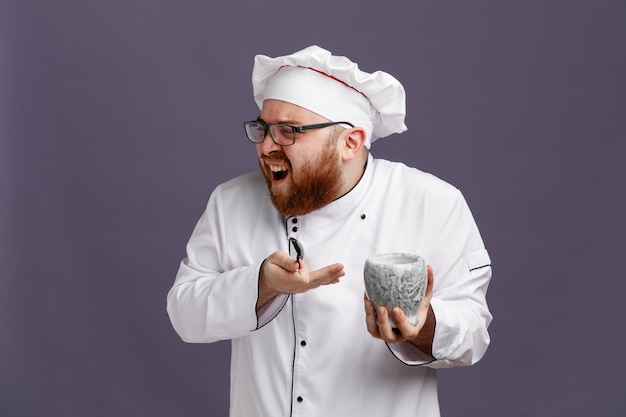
[285, 122]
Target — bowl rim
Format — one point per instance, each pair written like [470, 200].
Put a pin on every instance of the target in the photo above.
[384, 257]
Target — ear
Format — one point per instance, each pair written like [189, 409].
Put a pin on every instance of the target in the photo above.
[351, 143]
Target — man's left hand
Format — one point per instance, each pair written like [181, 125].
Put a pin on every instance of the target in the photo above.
[420, 335]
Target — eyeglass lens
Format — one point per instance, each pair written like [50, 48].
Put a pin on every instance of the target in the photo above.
[255, 131]
[282, 134]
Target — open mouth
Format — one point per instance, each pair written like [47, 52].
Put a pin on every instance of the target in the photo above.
[278, 173]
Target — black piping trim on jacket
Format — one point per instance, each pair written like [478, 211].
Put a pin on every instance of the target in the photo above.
[479, 267]
[257, 298]
[409, 364]
[293, 362]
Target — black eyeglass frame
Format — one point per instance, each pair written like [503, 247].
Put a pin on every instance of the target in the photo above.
[294, 129]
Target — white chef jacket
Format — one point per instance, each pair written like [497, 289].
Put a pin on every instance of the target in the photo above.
[310, 354]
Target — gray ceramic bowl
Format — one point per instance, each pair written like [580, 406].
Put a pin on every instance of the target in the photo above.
[396, 280]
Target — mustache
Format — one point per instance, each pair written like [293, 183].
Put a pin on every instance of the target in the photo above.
[276, 157]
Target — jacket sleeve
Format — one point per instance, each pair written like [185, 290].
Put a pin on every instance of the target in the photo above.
[462, 270]
[211, 300]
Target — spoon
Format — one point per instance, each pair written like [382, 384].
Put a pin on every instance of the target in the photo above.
[297, 247]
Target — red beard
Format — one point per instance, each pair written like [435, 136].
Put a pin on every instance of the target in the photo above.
[317, 184]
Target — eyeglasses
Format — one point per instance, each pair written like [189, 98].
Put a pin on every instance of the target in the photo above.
[282, 134]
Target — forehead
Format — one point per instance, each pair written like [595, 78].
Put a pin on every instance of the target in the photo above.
[278, 111]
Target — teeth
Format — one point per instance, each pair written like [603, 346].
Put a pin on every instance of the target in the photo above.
[275, 168]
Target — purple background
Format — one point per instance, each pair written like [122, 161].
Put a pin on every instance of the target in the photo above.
[118, 118]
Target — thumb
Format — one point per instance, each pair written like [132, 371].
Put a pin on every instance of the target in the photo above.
[283, 260]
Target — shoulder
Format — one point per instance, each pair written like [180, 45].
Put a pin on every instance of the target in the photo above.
[397, 175]
[401, 188]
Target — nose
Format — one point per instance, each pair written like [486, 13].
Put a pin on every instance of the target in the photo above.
[268, 146]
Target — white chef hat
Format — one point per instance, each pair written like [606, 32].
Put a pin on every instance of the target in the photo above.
[333, 87]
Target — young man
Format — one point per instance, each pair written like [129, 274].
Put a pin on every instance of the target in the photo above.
[305, 340]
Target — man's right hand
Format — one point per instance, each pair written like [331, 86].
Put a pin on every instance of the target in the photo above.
[282, 274]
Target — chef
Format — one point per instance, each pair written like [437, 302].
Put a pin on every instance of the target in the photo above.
[275, 263]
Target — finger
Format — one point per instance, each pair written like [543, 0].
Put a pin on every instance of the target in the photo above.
[407, 330]
[281, 273]
[370, 318]
[384, 326]
[431, 282]
[303, 280]
[283, 260]
[327, 275]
